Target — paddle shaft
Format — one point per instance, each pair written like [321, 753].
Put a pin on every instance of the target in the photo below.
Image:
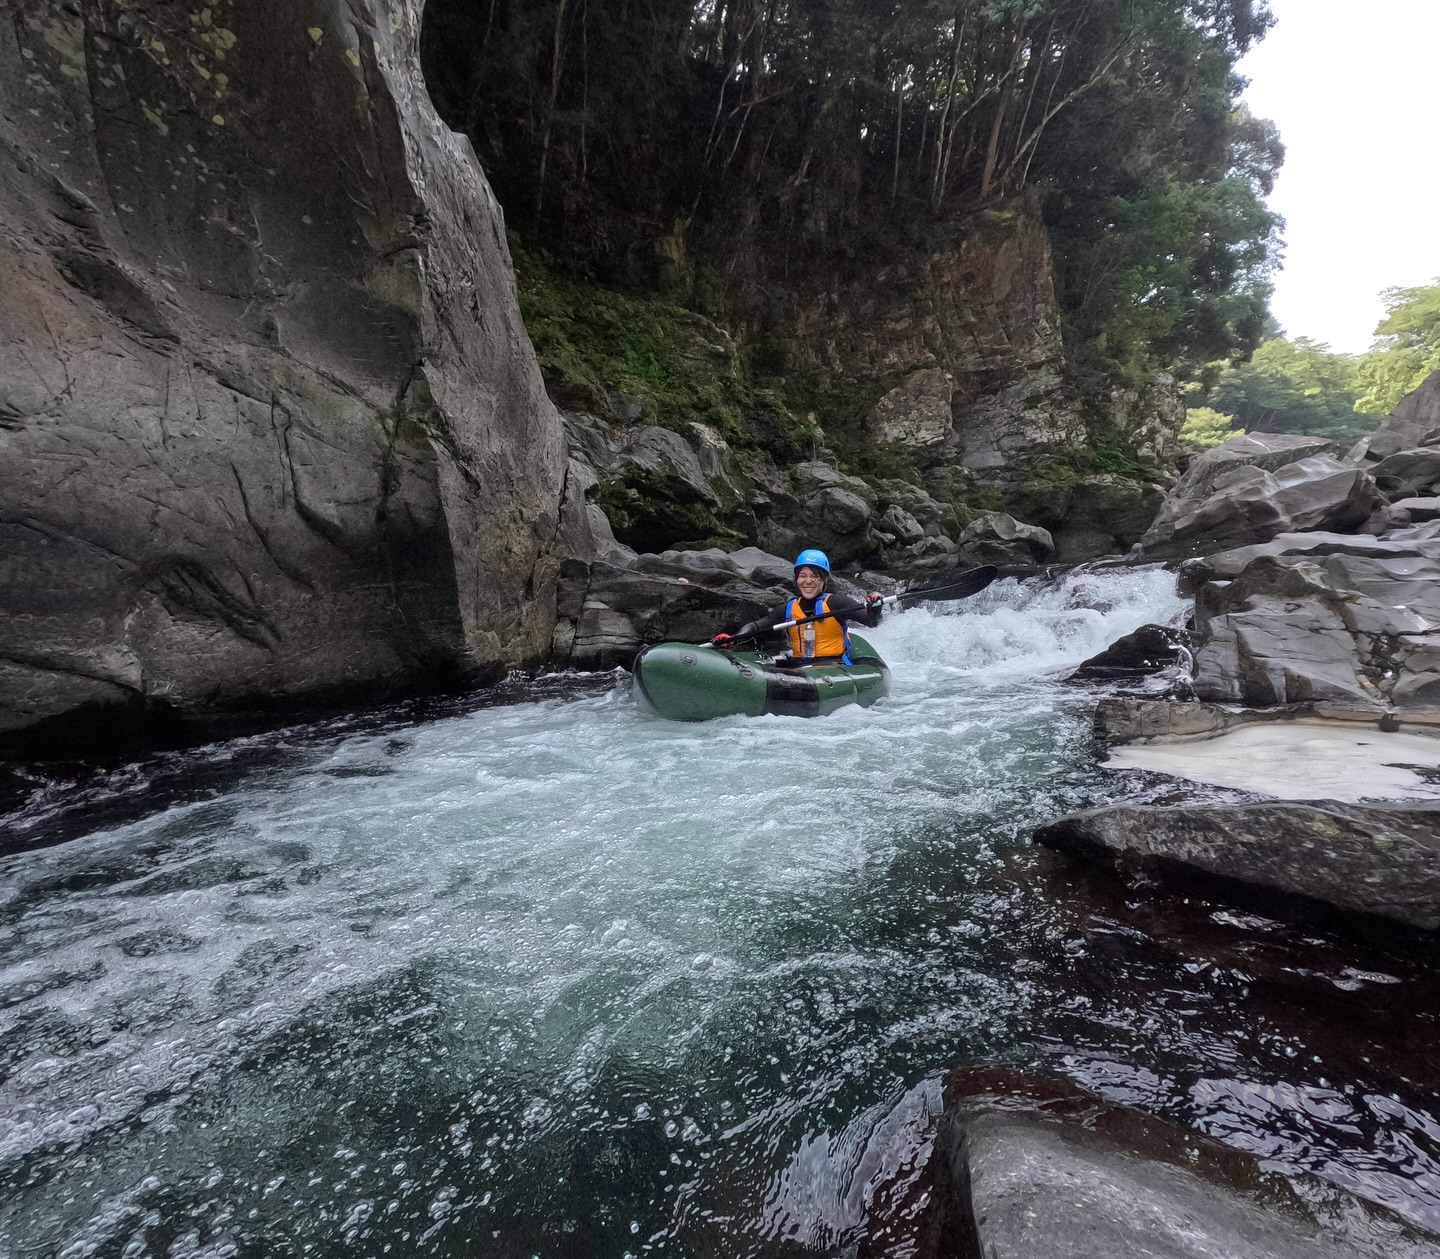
[935, 592]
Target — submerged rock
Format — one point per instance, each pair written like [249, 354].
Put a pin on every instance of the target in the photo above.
[1034, 1168]
[1378, 861]
[1147, 650]
[271, 424]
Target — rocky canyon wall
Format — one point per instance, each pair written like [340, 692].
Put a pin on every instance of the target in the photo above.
[270, 424]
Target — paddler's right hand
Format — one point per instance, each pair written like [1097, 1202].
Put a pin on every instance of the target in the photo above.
[723, 641]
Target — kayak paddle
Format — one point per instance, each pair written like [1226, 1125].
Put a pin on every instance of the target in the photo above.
[972, 583]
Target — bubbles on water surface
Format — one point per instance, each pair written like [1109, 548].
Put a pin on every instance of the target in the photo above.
[562, 978]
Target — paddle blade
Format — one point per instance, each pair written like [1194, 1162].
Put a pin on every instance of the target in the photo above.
[971, 583]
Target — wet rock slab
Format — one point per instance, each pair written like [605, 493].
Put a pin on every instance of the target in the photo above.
[1379, 863]
[1037, 1169]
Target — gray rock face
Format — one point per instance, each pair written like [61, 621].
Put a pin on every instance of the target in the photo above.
[610, 608]
[270, 424]
[1319, 616]
[1018, 425]
[1148, 420]
[1265, 451]
[1414, 422]
[915, 413]
[1104, 514]
[997, 538]
[1409, 471]
[1380, 861]
[1249, 504]
[1042, 1170]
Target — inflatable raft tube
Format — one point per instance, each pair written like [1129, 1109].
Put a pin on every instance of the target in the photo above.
[688, 683]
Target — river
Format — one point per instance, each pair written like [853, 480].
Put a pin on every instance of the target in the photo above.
[540, 974]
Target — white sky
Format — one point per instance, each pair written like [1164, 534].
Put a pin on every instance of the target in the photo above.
[1354, 88]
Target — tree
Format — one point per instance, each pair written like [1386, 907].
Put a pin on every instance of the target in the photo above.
[764, 138]
[1407, 348]
[1298, 386]
[1205, 427]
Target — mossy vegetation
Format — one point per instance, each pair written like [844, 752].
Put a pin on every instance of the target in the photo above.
[598, 347]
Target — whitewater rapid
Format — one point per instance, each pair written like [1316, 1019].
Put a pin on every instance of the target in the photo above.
[560, 977]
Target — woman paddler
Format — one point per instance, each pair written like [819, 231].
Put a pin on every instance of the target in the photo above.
[823, 639]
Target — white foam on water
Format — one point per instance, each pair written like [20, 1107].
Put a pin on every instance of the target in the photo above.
[456, 964]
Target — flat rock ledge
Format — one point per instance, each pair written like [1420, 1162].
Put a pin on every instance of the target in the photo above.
[1365, 864]
[1031, 1168]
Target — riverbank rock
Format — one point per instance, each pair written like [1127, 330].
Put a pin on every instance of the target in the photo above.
[270, 424]
[1250, 504]
[1321, 616]
[1035, 1168]
[1379, 862]
[610, 608]
[1414, 423]
[998, 538]
[1253, 487]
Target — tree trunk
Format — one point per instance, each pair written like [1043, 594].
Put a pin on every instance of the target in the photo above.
[899, 117]
[556, 64]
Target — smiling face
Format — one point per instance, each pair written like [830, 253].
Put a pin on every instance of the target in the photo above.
[809, 582]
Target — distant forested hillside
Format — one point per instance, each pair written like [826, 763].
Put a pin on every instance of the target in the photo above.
[1302, 386]
[707, 150]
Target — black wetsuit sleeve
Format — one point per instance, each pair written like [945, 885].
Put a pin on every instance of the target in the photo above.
[854, 611]
[765, 623]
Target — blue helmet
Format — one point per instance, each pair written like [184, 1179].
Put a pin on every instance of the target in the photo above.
[813, 559]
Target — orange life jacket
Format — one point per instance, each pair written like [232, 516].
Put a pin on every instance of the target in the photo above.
[820, 638]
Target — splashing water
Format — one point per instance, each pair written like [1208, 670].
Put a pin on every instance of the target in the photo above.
[562, 978]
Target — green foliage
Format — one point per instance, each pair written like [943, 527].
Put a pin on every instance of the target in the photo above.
[1205, 427]
[1407, 348]
[716, 151]
[1105, 454]
[679, 366]
[883, 461]
[593, 343]
[1298, 386]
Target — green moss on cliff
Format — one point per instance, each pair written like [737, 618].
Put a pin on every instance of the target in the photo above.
[594, 343]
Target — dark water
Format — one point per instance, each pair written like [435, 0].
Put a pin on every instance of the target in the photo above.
[555, 978]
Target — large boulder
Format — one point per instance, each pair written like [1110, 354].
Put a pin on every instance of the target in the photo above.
[1409, 471]
[1415, 422]
[998, 538]
[1266, 451]
[1028, 1167]
[1320, 616]
[1250, 504]
[1373, 861]
[835, 512]
[1103, 514]
[610, 608]
[270, 424]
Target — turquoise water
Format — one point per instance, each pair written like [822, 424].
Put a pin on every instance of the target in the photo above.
[556, 977]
